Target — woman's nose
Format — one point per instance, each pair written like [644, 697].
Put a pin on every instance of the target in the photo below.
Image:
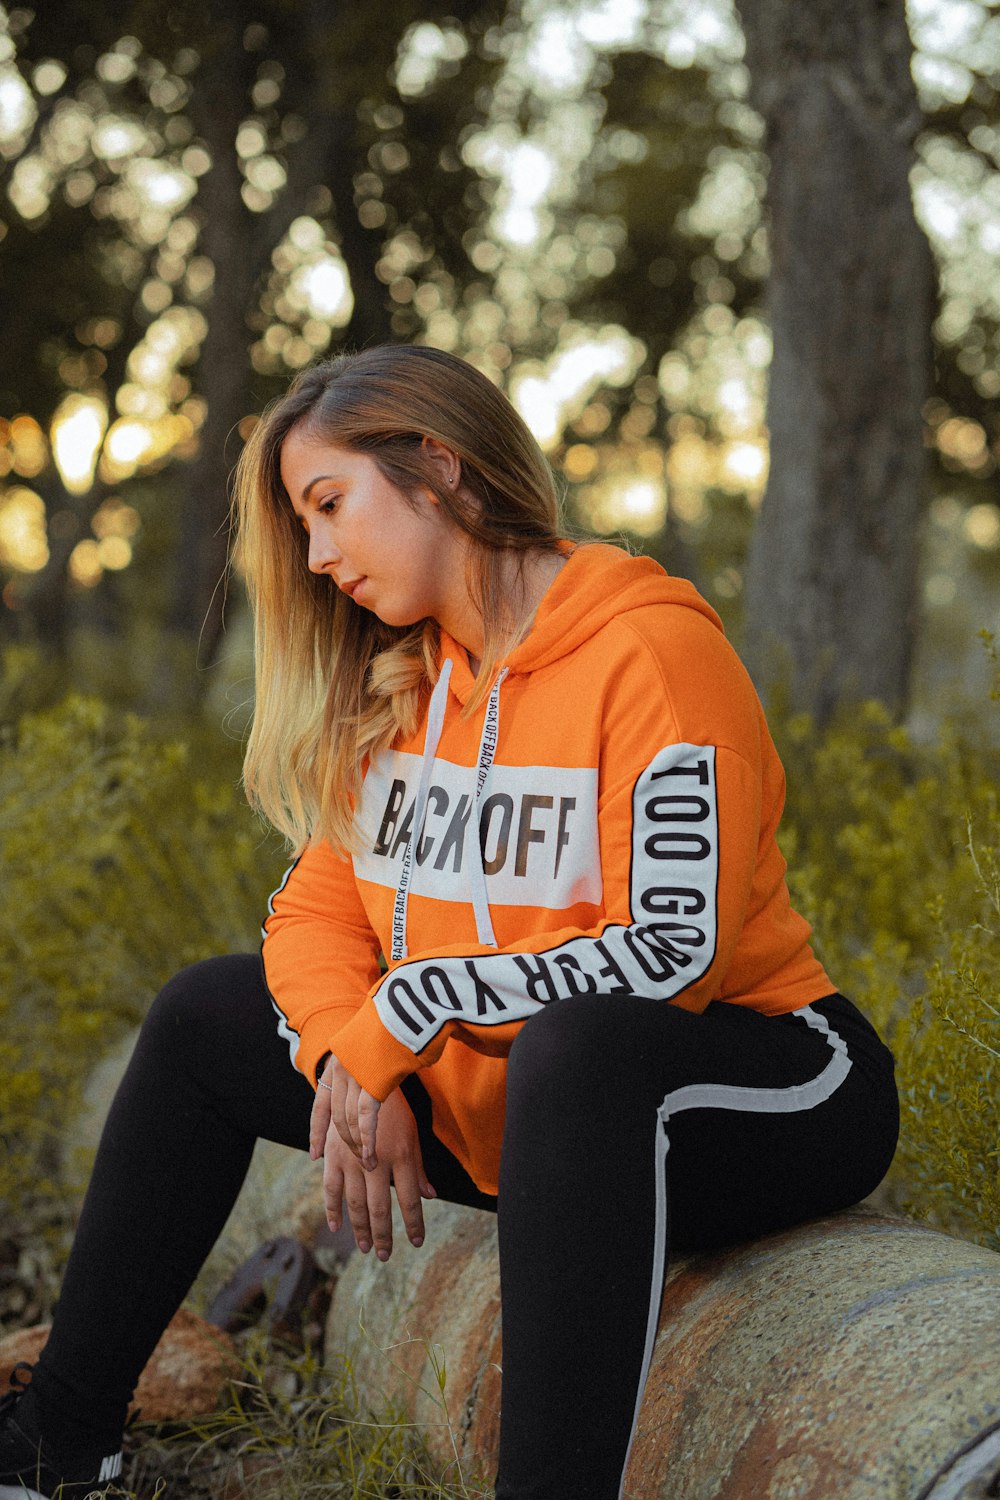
[322, 551]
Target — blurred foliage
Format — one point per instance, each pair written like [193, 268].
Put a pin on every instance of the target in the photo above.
[124, 858]
[521, 182]
[894, 856]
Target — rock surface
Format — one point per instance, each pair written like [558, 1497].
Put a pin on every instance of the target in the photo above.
[855, 1356]
[186, 1376]
[425, 1314]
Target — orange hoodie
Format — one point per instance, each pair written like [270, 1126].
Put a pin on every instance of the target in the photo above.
[626, 794]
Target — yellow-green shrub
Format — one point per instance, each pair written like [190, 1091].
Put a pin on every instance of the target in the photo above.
[119, 865]
[894, 854]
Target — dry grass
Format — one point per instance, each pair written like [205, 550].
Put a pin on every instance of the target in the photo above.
[293, 1430]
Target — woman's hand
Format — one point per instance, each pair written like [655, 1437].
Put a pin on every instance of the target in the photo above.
[354, 1111]
[335, 1134]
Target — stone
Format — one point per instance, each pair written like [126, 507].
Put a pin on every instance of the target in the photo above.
[187, 1375]
[854, 1356]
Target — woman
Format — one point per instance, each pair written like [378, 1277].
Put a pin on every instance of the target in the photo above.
[537, 779]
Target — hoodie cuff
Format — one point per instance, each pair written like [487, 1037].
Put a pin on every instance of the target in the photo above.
[313, 1047]
[371, 1054]
[318, 1038]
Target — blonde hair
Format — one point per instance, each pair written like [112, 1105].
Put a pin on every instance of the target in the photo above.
[334, 685]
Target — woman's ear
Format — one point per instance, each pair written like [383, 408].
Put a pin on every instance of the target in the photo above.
[444, 459]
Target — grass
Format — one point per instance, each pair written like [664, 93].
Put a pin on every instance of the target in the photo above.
[293, 1429]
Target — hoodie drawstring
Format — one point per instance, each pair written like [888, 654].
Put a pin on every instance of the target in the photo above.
[487, 750]
[432, 734]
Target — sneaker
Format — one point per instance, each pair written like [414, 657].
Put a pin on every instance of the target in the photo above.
[29, 1472]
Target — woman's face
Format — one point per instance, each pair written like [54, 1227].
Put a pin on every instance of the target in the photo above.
[401, 558]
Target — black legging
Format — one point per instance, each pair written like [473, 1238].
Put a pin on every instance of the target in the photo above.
[751, 1123]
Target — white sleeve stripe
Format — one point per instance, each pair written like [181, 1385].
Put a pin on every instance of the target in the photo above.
[669, 944]
[285, 1030]
[287, 1034]
[277, 892]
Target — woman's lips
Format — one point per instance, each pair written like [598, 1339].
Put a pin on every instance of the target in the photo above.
[350, 585]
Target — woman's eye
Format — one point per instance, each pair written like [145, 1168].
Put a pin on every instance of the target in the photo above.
[328, 506]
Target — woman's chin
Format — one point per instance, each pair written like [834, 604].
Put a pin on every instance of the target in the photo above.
[399, 619]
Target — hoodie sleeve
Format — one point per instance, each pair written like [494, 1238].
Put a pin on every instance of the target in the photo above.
[680, 824]
[320, 955]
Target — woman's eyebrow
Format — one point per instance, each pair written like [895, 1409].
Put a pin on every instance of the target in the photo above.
[320, 479]
[304, 497]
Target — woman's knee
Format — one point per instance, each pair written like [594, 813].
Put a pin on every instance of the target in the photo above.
[563, 1046]
[613, 1044]
[213, 994]
[211, 1037]
[545, 1035]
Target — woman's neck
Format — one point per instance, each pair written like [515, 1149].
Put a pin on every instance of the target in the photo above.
[545, 567]
[526, 582]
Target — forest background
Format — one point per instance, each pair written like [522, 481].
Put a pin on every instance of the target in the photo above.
[737, 267]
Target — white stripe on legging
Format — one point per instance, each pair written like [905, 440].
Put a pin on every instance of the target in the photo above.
[798, 1096]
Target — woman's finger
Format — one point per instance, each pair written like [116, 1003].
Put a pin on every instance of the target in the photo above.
[380, 1211]
[333, 1192]
[368, 1107]
[409, 1180]
[340, 1087]
[319, 1122]
[356, 1198]
[353, 1095]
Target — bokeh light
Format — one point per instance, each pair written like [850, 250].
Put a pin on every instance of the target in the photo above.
[85, 567]
[23, 543]
[982, 527]
[308, 295]
[425, 51]
[29, 448]
[551, 394]
[747, 463]
[17, 109]
[77, 432]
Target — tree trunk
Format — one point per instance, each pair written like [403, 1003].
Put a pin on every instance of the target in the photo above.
[371, 320]
[239, 244]
[219, 105]
[832, 574]
[819, 1412]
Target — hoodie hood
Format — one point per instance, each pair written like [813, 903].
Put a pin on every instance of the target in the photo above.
[599, 583]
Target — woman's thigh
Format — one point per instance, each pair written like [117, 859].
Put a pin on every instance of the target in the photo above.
[217, 1023]
[758, 1121]
[799, 1119]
